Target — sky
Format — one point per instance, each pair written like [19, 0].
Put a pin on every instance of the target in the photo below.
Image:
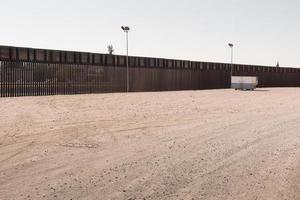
[262, 31]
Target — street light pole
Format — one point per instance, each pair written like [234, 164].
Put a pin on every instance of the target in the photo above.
[126, 30]
[127, 64]
[231, 68]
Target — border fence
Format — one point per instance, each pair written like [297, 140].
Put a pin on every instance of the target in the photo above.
[38, 72]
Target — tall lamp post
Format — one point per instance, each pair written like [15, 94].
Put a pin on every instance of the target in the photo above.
[126, 30]
[231, 68]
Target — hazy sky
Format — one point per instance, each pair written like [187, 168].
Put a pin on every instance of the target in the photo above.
[263, 31]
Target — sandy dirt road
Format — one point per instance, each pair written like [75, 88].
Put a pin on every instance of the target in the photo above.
[214, 144]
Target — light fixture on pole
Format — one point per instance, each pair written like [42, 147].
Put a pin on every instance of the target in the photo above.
[231, 68]
[126, 30]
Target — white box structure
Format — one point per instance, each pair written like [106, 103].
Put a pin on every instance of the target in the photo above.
[244, 82]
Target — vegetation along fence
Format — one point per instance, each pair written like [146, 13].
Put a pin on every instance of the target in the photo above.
[36, 72]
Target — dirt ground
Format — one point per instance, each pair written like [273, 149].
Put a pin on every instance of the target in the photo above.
[213, 144]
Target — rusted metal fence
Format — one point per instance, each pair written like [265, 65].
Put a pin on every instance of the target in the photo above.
[37, 72]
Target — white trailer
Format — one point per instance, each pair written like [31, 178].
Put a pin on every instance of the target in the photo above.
[244, 82]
